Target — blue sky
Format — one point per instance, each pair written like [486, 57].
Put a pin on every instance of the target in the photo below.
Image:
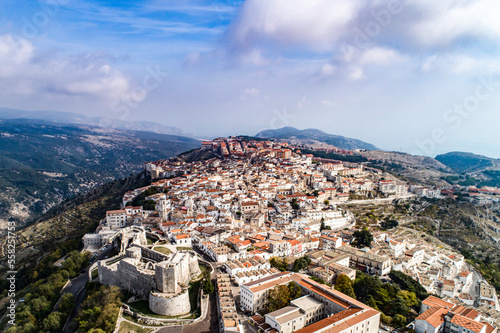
[417, 76]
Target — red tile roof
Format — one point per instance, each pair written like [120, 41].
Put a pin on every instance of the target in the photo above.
[434, 316]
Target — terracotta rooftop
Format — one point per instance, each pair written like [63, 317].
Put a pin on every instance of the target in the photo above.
[434, 316]
[433, 301]
[341, 320]
[467, 323]
[269, 282]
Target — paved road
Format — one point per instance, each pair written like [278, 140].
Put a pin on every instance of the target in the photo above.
[209, 324]
[77, 288]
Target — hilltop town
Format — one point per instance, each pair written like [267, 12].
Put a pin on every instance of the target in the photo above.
[251, 214]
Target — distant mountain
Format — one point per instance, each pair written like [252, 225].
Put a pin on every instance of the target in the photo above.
[468, 162]
[78, 118]
[43, 163]
[315, 134]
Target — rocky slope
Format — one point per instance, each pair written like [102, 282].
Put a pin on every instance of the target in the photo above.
[43, 163]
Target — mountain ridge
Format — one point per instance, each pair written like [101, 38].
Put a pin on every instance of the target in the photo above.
[468, 162]
[81, 119]
[338, 141]
[43, 163]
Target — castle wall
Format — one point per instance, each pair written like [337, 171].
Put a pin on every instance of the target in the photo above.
[183, 271]
[194, 268]
[166, 278]
[127, 276]
[170, 306]
[151, 254]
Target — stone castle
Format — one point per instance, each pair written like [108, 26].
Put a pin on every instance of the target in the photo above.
[161, 279]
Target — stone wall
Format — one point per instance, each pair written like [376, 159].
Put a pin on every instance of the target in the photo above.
[151, 254]
[170, 305]
[166, 279]
[127, 276]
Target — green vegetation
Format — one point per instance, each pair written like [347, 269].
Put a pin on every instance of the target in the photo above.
[56, 235]
[126, 327]
[162, 249]
[388, 223]
[140, 200]
[35, 313]
[345, 285]
[323, 226]
[208, 286]
[100, 309]
[488, 269]
[280, 296]
[398, 305]
[194, 288]
[279, 263]
[301, 263]
[362, 238]
[464, 162]
[491, 178]
[44, 163]
[405, 282]
[321, 281]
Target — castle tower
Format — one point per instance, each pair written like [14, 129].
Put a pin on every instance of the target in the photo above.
[194, 268]
[163, 208]
[165, 276]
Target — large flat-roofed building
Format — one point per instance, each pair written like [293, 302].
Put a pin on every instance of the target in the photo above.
[254, 294]
[343, 314]
[116, 219]
[320, 309]
[301, 312]
[367, 261]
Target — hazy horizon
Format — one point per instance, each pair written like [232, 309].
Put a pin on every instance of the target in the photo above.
[413, 76]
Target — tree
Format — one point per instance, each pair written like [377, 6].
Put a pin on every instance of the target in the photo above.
[149, 205]
[295, 290]
[67, 303]
[53, 323]
[399, 320]
[327, 202]
[345, 285]
[279, 263]
[294, 204]
[278, 298]
[208, 286]
[362, 238]
[410, 298]
[365, 286]
[408, 283]
[301, 263]
[389, 223]
[324, 226]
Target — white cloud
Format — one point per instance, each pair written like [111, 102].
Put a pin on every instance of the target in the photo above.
[13, 52]
[324, 25]
[380, 56]
[327, 70]
[356, 73]
[459, 63]
[24, 70]
[448, 20]
[254, 92]
[315, 23]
